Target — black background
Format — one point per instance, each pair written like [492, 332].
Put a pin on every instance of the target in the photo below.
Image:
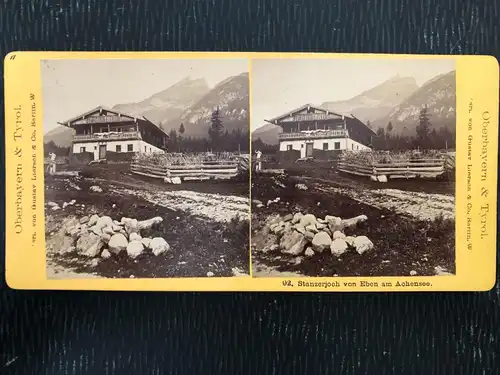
[233, 333]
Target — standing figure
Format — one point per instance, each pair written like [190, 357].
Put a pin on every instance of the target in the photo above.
[52, 165]
[258, 154]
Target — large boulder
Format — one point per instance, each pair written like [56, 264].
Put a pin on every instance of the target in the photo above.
[89, 245]
[354, 221]
[308, 220]
[293, 243]
[130, 225]
[321, 241]
[93, 220]
[147, 224]
[334, 223]
[117, 243]
[362, 244]
[134, 249]
[297, 217]
[105, 254]
[338, 247]
[108, 230]
[159, 246]
[104, 221]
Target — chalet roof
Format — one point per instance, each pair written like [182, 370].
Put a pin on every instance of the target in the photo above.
[301, 108]
[309, 105]
[114, 111]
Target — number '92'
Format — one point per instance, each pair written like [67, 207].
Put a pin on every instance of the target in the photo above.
[287, 283]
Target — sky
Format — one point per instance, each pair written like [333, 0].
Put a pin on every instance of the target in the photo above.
[72, 87]
[280, 85]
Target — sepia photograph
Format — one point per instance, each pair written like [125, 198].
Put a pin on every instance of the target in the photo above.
[353, 167]
[147, 167]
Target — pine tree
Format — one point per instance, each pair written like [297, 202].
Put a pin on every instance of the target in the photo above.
[380, 139]
[423, 128]
[215, 131]
[181, 129]
[173, 140]
[389, 127]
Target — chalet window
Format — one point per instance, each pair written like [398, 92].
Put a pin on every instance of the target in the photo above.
[145, 149]
[289, 147]
[130, 148]
[325, 146]
[353, 146]
[82, 149]
[337, 145]
[118, 148]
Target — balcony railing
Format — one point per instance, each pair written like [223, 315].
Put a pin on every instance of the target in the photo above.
[106, 136]
[314, 134]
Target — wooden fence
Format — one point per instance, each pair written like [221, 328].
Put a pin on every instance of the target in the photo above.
[429, 168]
[222, 169]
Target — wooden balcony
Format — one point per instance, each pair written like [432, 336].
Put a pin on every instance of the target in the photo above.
[111, 136]
[314, 134]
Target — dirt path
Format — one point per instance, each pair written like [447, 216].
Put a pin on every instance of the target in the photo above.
[421, 206]
[216, 207]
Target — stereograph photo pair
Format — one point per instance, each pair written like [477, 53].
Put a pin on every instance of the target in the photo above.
[250, 171]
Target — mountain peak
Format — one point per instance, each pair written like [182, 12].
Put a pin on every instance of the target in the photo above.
[437, 94]
[169, 103]
[377, 101]
[230, 96]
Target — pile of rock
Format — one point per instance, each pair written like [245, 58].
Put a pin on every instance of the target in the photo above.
[100, 235]
[297, 234]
